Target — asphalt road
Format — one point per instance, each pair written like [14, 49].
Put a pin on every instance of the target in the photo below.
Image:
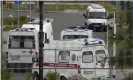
[61, 20]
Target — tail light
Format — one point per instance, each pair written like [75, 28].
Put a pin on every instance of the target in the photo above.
[79, 70]
[6, 54]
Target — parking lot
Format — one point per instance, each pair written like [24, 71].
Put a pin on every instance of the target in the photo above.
[61, 21]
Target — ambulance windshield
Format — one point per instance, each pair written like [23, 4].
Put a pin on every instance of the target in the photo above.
[74, 36]
[101, 15]
[25, 42]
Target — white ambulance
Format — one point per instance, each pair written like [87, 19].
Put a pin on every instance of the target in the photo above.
[96, 17]
[23, 43]
[62, 54]
[76, 32]
[74, 57]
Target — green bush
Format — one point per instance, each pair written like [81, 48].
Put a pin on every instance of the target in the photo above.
[10, 21]
[22, 18]
[7, 28]
[4, 42]
[28, 76]
[3, 60]
[6, 74]
[53, 76]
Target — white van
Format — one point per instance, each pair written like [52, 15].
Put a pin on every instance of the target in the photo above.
[66, 59]
[76, 32]
[96, 17]
[79, 55]
[23, 43]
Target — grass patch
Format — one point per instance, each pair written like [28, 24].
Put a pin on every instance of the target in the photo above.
[52, 7]
[13, 21]
[10, 23]
[3, 60]
[8, 28]
[4, 42]
[62, 7]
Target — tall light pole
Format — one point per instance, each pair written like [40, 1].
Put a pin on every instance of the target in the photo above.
[18, 15]
[114, 43]
[56, 5]
[1, 30]
[41, 39]
[30, 9]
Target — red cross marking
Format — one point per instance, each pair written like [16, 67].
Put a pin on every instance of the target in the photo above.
[30, 52]
[102, 65]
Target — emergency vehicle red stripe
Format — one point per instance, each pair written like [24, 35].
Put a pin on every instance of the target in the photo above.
[59, 65]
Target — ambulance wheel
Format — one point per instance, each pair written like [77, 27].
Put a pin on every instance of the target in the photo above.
[63, 78]
[35, 76]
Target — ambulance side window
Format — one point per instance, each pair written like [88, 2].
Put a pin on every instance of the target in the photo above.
[100, 54]
[64, 57]
[87, 57]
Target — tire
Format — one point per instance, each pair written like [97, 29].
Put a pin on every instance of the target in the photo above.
[35, 76]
